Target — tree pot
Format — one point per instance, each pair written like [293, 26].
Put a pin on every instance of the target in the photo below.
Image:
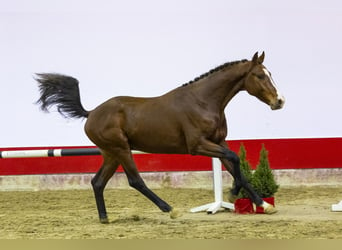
[245, 206]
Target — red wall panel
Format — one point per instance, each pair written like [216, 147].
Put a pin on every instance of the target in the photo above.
[283, 154]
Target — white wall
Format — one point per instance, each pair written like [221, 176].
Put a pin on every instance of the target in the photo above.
[145, 48]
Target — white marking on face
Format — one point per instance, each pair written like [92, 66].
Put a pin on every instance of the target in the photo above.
[279, 95]
[269, 76]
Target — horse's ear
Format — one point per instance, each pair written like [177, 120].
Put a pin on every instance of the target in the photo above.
[261, 58]
[255, 58]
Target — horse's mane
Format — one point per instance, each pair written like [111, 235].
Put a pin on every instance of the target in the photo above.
[218, 68]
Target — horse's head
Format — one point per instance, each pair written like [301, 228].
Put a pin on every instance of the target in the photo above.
[260, 84]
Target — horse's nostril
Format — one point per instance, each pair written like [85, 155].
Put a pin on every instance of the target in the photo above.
[281, 101]
[278, 104]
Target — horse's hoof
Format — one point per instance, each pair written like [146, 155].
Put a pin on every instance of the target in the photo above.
[174, 214]
[104, 220]
[270, 209]
[231, 197]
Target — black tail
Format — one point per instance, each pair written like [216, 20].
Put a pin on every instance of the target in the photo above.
[62, 91]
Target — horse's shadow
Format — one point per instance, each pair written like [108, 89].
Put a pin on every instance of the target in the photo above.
[137, 219]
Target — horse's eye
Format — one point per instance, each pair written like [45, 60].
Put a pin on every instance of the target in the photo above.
[260, 76]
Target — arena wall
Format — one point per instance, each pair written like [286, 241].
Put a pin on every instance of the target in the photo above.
[309, 161]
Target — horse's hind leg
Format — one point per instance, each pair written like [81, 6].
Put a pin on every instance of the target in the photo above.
[135, 181]
[99, 182]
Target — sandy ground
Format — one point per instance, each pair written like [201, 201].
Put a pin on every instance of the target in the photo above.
[303, 213]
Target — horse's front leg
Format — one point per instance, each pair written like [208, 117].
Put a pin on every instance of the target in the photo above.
[239, 181]
[232, 164]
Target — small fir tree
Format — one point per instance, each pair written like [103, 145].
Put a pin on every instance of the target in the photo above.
[263, 179]
[246, 170]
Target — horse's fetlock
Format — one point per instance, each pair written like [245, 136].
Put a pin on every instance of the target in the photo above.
[104, 220]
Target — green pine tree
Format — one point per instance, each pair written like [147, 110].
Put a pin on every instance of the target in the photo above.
[263, 179]
[245, 170]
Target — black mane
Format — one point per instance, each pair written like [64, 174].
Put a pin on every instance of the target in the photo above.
[223, 66]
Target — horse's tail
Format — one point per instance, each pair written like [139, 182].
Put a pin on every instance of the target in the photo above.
[61, 91]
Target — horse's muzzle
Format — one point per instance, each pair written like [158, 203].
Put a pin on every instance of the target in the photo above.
[278, 104]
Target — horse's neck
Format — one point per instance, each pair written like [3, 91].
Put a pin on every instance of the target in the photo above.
[220, 87]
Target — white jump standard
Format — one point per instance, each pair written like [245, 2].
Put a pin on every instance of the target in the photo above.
[337, 207]
[213, 207]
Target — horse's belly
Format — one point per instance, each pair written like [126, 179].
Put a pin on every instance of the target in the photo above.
[156, 142]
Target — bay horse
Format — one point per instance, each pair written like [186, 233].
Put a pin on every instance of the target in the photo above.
[187, 120]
